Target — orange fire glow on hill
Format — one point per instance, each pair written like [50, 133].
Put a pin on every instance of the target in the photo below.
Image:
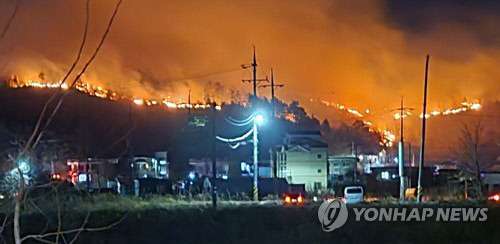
[388, 137]
[103, 93]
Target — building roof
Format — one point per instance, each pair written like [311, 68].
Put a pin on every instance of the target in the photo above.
[305, 139]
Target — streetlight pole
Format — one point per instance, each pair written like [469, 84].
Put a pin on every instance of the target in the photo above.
[401, 156]
[255, 160]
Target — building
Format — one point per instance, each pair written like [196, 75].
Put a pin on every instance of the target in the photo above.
[90, 173]
[341, 165]
[343, 170]
[302, 159]
[203, 167]
[150, 166]
[491, 181]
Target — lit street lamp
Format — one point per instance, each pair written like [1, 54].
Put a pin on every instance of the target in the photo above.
[259, 118]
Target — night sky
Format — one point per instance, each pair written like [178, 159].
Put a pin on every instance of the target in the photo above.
[365, 54]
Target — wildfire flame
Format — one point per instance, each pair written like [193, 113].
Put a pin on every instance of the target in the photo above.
[465, 106]
[103, 93]
[344, 108]
[387, 136]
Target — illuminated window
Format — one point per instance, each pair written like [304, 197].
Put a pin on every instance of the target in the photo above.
[317, 185]
[385, 175]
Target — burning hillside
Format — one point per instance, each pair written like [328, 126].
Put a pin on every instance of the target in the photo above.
[100, 92]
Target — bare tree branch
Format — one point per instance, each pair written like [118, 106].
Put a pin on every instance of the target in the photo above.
[108, 28]
[43, 240]
[117, 141]
[45, 215]
[37, 133]
[82, 228]
[470, 151]
[2, 228]
[17, 207]
[59, 221]
[46, 105]
[9, 21]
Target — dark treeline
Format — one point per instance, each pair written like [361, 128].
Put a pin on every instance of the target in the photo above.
[117, 129]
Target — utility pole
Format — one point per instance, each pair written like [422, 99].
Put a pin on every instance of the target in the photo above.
[422, 145]
[189, 103]
[255, 162]
[410, 159]
[273, 86]
[273, 101]
[401, 151]
[214, 158]
[254, 73]
[130, 151]
[355, 153]
[85, 153]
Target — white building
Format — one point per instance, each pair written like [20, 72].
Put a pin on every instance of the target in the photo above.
[151, 167]
[203, 167]
[303, 159]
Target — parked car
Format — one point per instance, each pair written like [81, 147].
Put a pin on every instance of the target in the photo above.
[353, 194]
[495, 197]
[294, 199]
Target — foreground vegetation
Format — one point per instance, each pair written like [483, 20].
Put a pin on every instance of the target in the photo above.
[167, 219]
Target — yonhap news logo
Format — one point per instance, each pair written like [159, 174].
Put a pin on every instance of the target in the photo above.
[333, 214]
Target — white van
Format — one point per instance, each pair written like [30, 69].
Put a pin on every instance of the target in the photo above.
[353, 194]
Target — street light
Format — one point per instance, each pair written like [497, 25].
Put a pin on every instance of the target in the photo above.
[259, 119]
[24, 167]
[191, 175]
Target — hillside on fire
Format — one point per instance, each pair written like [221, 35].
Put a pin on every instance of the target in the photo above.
[103, 128]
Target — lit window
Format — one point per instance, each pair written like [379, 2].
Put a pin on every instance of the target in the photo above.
[385, 175]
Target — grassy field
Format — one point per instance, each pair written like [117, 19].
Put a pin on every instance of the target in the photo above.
[164, 219]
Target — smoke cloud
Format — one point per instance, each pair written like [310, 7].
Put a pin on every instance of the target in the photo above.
[362, 53]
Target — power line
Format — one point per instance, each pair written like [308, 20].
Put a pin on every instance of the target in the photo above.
[204, 75]
[236, 123]
[196, 76]
[236, 139]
